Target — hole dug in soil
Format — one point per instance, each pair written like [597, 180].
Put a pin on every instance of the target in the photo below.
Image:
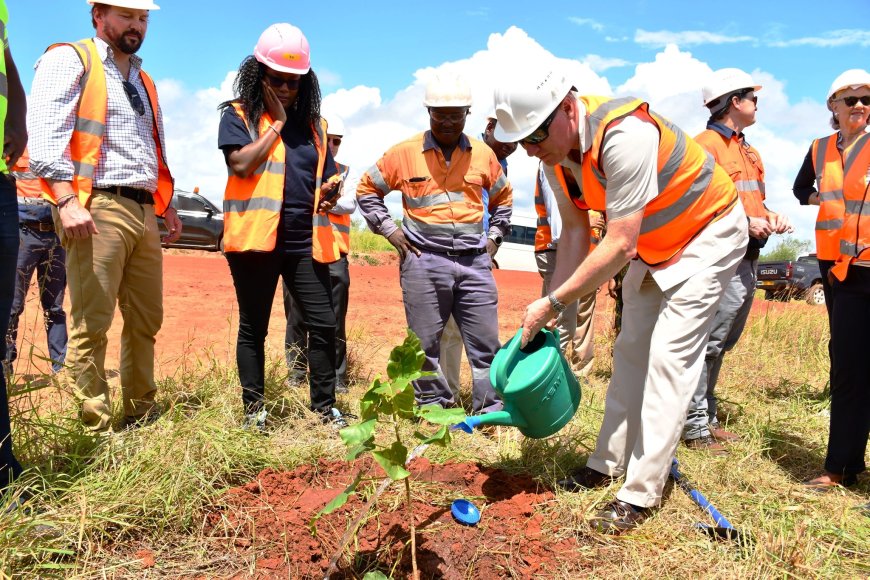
[270, 518]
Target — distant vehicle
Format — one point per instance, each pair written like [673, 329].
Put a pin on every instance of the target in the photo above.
[517, 251]
[799, 278]
[202, 224]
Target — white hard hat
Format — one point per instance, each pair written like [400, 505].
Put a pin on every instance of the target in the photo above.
[851, 79]
[724, 82]
[334, 124]
[447, 90]
[526, 97]
[134, 4]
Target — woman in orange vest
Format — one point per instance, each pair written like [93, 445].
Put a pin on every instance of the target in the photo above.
[281, 182]
[820, 179]
[850, 322]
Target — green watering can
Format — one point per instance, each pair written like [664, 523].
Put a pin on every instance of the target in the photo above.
[536, 384]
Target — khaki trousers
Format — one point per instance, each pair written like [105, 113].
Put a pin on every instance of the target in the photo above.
[576, 325]
[657, 361]
[123, 265]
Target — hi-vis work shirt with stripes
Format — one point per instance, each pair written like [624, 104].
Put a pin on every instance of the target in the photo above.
[443, 204]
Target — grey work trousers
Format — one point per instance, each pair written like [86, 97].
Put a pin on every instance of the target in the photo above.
[728, 325]
[434, 286]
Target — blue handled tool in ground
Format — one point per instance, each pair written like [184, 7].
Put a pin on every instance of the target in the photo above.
[722, 527]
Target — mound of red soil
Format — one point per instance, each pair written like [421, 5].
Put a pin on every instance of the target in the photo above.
[270, 517]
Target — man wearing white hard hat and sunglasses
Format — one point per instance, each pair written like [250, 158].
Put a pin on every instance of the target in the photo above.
[673, 214]
[97, 143]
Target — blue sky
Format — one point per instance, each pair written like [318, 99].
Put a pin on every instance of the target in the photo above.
[373, 59]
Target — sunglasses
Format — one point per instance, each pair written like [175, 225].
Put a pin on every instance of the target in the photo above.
[134, 98]
[336, 141]
[852, 101]
[277, 83]
[440, 117]
[542, 132]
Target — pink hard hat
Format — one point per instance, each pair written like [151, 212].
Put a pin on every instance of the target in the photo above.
[283, 47]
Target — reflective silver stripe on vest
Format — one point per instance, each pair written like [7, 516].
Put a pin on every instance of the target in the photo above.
[255, 203]
[321, 220]
[597, 116]
[90, 127]
[829, 225]
[269, 166]
[83, 169]
[852, 249]
[857, 207]
[4, 85]
[748, 185]
[446, 230]
[666, 215]
[433, 199]
[598, 176]
[678, 154]
[340, 228]
[854, 153]
[377, 179]
[819, 161]
[543, 222]
[24, 175]
[832, 195]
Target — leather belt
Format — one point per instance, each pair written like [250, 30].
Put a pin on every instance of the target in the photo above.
[32, 200]
[468, 252]
[140, 196]
[38, 226]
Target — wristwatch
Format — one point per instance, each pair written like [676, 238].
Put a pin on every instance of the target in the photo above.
[558, 306]
[496, 239]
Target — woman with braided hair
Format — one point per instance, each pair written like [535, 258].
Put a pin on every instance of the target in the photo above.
[281, 182]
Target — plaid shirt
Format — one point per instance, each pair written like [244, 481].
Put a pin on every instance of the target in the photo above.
[128, 155]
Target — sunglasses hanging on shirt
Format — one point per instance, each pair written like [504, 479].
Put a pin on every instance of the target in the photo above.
[134, 98]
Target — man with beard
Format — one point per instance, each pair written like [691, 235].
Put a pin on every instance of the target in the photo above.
[98, 145]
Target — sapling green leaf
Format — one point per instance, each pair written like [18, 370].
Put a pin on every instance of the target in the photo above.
[392, 459]
[441, 416]
[376, 575]
[407, 358]
[440, 437]
[336, 502]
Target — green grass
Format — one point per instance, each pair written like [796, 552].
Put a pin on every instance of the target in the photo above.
[106, 498]
[364, 241]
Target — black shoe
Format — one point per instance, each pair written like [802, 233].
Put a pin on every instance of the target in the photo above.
[131, 422]
[618, 517]
[341, 389]
[585, 478]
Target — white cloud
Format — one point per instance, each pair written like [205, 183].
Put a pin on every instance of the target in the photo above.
[602, 63]
[686, 37]
[671, 83]
[593, 24]
[830, 39]
[327, 78]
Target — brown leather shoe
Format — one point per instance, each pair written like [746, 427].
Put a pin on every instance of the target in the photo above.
[706, 443]
[720, 434]
[618, 517]
[585, 478]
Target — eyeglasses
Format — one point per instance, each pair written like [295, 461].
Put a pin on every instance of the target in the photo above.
[745, 96]
[134, 98]
[543, 130]
[852, 101]
[277, 82]
[336, 141]
[440, 117]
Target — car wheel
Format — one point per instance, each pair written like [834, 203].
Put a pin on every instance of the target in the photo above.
[816, 294]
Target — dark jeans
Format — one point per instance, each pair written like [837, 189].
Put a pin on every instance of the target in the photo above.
[255, 276]
[850, 374]
[824, 267]
[41, 251]
[296, 337]
[9, 466]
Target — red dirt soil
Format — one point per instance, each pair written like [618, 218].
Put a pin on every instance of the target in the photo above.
[270, 517]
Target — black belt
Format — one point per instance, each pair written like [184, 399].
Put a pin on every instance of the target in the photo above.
[468, 252]
[38, 226]
[138, 195]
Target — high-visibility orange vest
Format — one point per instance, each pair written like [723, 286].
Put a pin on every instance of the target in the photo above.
[693, 190]
[253, 204]
[341, 223]
[743, 165]
[543, 234]
[828, 165]
[855, 233]
[26, 182]
[90, 126]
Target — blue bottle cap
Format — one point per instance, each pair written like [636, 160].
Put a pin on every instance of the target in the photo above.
[465, 512]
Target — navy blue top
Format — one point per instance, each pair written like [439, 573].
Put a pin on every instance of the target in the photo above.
[294, 228]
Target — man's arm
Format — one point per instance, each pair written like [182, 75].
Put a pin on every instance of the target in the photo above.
[16, 113]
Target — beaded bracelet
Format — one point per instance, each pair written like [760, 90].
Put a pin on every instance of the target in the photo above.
[274, 129]
[65, 200]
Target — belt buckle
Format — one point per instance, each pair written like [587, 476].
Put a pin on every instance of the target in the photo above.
[46, 227]
[453, 253]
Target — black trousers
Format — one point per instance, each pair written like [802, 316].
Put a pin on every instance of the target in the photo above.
[9, 466]
[296, 337]
[850, 373]
[255, 276]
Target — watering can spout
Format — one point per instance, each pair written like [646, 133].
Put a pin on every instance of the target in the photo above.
[503, 417]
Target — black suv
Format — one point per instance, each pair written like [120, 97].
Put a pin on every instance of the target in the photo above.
[202, 224]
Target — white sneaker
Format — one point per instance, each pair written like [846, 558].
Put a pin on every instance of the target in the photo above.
[256, 421]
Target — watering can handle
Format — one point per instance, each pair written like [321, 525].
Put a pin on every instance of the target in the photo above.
[511, 349]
